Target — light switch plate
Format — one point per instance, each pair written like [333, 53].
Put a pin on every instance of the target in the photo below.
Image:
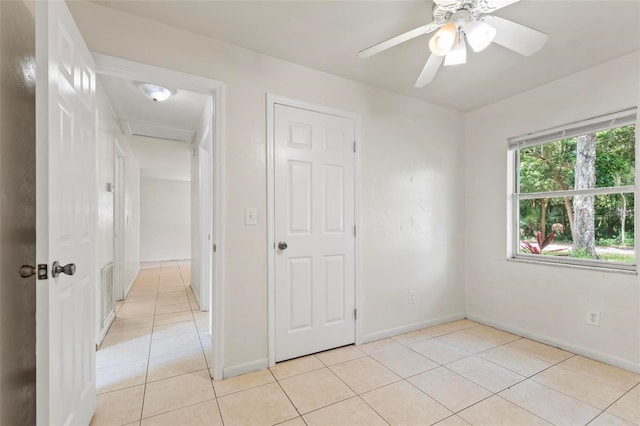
[250, 216]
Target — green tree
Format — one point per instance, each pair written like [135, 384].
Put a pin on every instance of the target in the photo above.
[553, 167]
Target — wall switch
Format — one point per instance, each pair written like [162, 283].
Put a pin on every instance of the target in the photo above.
[412, 296]
[593, 318]
[250, 216]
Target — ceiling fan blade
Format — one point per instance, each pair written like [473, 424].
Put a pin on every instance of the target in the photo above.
[377, 48]
[524, 40]
[429, 71]
[490, 6]
[446, 3]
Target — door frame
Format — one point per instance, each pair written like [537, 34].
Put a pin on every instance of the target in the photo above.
[122, 68]
[271, 101]
[118, 219]
[205, 224]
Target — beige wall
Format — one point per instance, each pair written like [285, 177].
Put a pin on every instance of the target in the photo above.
[131, 216]
[411, 182]
[165, 219]
[17, 214]
[107, 131]
[549, 303]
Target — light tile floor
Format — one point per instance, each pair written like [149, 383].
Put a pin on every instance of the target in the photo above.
[152, 370]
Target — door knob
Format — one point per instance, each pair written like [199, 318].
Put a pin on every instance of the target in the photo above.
[282, 245]
[68, 269]
[27, 271]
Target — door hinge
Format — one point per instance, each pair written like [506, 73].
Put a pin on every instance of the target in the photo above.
[354, 146]
[43, 271]
[355, 314]
[354, 230]
[214, 248]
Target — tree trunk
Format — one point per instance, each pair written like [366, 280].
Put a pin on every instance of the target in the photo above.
[584, 238]
[623, 212]
[543, 217]
[569, 208]
[623, 219]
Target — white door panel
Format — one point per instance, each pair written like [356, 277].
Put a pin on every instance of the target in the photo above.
[314, 215]
[65, 209]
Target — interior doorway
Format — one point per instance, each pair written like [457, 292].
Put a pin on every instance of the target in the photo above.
[203, 149]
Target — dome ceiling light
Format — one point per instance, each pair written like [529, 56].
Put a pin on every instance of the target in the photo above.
[155, 92]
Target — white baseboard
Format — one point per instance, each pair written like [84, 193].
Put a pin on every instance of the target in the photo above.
[383, 334]
[196, 294]
[579, 350]
[128, 288]
[249, 367]
[105, 329]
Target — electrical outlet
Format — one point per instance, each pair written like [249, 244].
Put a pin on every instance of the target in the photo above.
[412, 296]
[593, 318]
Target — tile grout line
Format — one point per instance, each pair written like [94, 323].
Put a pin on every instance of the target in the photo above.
[287, 395]
[506, 368]
[475, 354]
[146, 377]
[610, 405]
[151, 343]
[204, 352]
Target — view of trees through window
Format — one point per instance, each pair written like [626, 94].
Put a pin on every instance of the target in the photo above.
[581, 201]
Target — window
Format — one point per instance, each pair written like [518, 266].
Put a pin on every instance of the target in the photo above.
[574, 193]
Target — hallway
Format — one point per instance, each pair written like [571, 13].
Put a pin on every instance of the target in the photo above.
[156, 355]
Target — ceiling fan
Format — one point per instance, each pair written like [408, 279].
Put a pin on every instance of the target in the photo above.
[460, 22]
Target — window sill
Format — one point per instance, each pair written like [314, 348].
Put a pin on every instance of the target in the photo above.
[598, 268]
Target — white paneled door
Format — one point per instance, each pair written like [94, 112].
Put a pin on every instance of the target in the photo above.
[65, 210]
[314, 231]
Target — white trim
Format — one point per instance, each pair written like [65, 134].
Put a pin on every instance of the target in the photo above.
[604, 122]
[607, 190]
[609, 121]
[117, 67]
[105, 329]
[216, 294]
[127, 289]
[271, 101]
[248, 367]
[390, 332]
[271, 273]
[356, 195]
[579, 350]
[118, 202]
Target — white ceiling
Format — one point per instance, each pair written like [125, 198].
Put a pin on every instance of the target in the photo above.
[327, 35]
[162, 159]
[158, 157]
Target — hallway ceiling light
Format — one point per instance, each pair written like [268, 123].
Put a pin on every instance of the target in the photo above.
[155, 92]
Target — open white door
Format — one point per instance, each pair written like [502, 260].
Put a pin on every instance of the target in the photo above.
[65, 210]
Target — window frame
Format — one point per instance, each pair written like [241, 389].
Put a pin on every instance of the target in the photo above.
[515, 144]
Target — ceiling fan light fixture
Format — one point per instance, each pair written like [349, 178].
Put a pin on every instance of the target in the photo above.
[444, 40]
[458, 54]
[479, 35]
[155, 92]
